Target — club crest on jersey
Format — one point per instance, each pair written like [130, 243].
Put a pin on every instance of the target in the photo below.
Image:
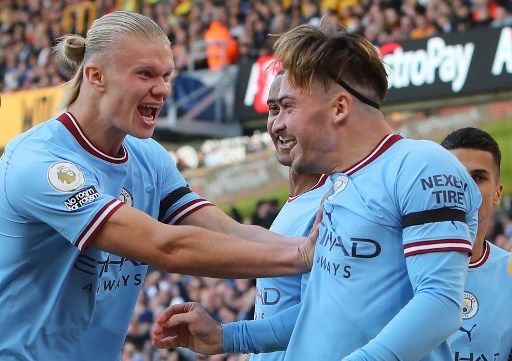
[126, 197]
[340, 184]
[65, 176]
[469, 305]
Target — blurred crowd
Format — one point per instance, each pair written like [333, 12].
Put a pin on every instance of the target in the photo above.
[225, 300]
[501, 231]
[213, 33]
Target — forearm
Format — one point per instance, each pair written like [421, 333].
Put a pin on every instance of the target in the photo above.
[263, 335]
[193, 250]
[419, 328]
[260, 235]
[215, 220]
[196, 251]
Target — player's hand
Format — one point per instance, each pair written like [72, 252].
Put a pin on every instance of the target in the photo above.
[307, 249]
[187, 325]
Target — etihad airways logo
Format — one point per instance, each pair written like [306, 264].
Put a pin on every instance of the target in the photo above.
[110, 274]
[355, 247]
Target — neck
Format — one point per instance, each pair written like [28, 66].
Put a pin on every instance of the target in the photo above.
[358, 140]
[301, 183]
[478, 246]
[107, 140]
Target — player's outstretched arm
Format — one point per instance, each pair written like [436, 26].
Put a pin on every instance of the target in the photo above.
[197, 251]
[214, 219]
[189, 325]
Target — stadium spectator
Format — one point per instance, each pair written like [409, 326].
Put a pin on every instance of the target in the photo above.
[502, 18]
[221, 47]
[265, 213]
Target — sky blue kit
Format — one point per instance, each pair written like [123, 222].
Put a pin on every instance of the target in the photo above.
[390, 262]
[276, 294]
[486, 330]
[61, 299]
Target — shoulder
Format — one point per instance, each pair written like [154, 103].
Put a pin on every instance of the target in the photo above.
[425, 151]
[145, 147]
[500, 256]
[35, 146]
[429, 163]
[37, 157]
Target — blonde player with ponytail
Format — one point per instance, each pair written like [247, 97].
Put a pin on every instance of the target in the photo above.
[88, 200]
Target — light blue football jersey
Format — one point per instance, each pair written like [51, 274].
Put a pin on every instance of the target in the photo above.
[278, 293]
[391, 258]
[486, 331]
[60, 299]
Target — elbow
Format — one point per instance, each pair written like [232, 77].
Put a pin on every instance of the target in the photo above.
[450, 312]
[453, 312]
[454, 320]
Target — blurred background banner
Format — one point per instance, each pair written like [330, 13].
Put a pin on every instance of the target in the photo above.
[23, 109]
[471, 67]
[252, 86]
[451, 65]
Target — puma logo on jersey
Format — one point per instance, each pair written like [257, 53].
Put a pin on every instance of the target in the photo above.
[468, 332]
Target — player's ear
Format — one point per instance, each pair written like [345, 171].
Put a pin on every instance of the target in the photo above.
[343, 103]
[94, 75]
[496, 200]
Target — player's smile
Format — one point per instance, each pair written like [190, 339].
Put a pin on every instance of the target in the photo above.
[149, 113]
[286, 143]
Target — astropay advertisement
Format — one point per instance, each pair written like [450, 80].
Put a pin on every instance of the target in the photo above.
[454, 64]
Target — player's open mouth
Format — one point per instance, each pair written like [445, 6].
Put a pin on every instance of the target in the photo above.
[148, 113]
[286, 143]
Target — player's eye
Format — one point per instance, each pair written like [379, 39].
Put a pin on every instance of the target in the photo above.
[479, 178]
[273, 109]
[145, 73]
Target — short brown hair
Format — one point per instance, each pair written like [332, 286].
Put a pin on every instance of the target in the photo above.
[330, 53]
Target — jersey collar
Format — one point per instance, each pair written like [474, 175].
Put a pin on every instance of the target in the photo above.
[485, 256]
[321, 182]
[69, 121]
[383, 145]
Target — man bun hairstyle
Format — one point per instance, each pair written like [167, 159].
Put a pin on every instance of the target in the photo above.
[101, 40]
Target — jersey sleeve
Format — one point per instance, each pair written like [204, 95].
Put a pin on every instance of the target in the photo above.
[437, 202]
[60, 192]
[262, 335]
[178, 200]
[438, 281]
